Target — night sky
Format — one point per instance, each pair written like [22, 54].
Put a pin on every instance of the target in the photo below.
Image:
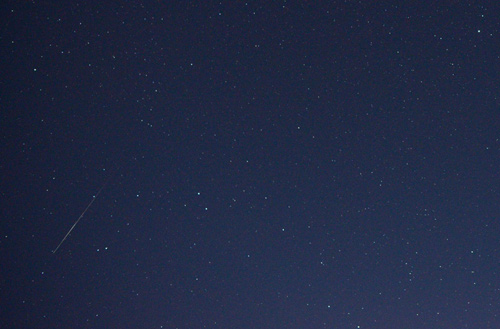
[270, 164]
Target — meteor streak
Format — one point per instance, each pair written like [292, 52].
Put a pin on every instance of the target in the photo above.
[83, 213]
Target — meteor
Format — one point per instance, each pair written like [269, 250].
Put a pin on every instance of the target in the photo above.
[83, 213]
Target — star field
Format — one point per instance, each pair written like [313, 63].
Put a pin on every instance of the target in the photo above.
[264, 164]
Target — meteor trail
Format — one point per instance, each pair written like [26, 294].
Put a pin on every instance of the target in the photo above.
[83, 213]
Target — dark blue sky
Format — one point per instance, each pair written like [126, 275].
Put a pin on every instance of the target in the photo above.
[268, 164]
